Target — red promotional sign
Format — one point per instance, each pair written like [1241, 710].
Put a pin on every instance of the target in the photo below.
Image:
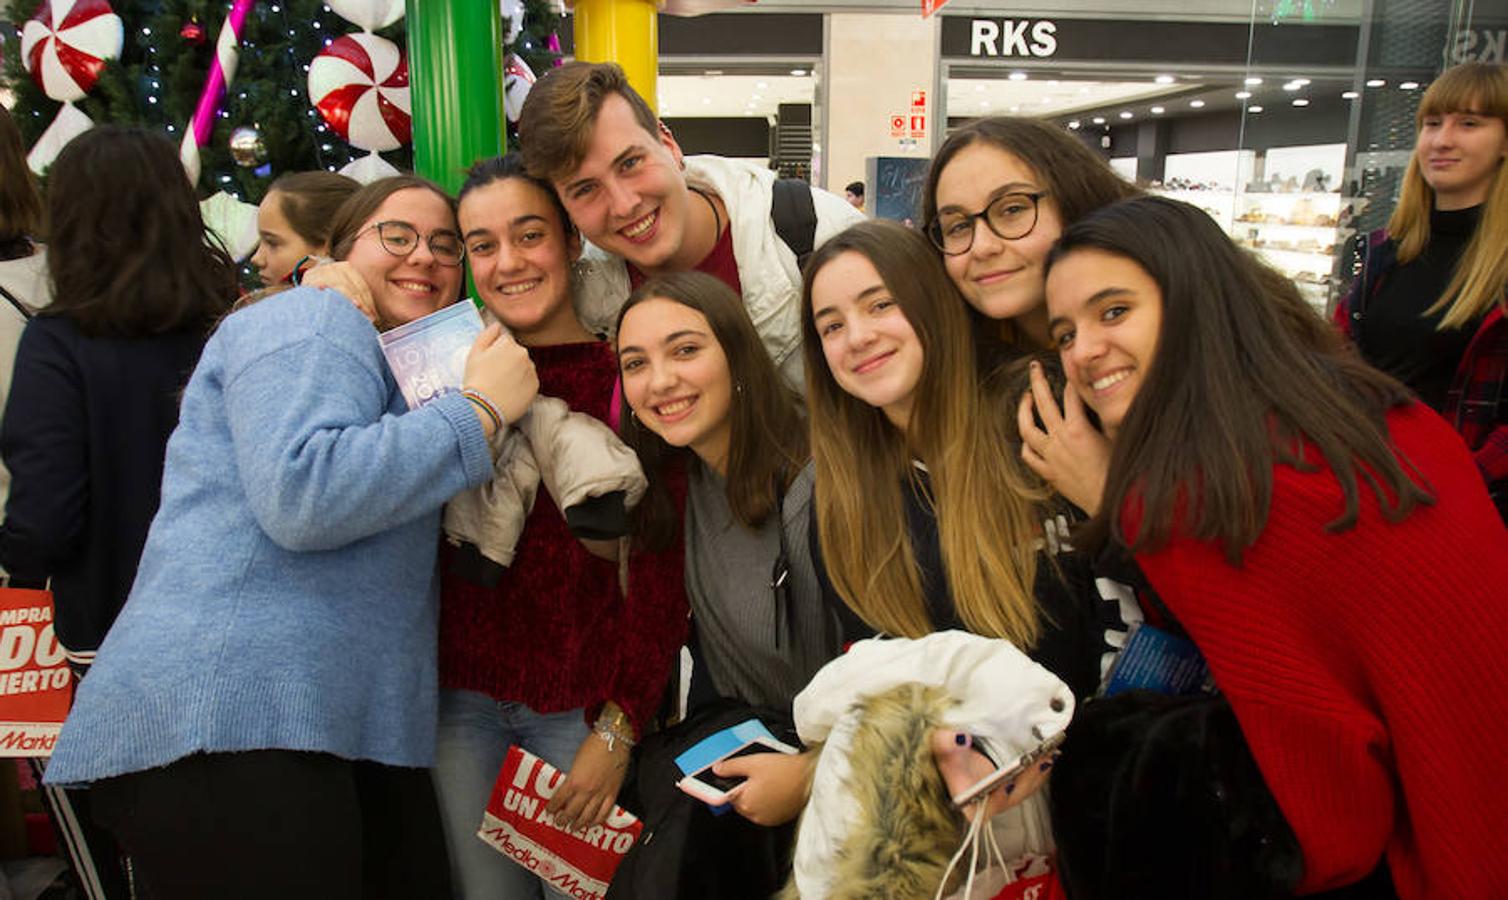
[576, 863]
[36, 685]
[931, 6]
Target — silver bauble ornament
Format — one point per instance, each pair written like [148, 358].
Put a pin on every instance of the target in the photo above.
[247, 147]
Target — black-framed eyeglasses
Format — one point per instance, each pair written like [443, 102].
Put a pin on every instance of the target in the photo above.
[402, 239]
[1009, 216]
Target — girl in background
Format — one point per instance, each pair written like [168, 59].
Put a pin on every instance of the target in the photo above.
[293, 221]
[1428, 307]
[1323, 538]
[273, 673]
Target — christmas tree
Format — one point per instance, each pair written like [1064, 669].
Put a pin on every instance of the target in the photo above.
[167, 54]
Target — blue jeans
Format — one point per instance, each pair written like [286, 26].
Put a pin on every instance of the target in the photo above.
[475, 734]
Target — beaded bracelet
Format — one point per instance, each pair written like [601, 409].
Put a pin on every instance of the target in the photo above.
[486, 406]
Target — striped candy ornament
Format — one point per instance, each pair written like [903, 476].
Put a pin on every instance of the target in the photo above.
[64, 46]
[359, 84]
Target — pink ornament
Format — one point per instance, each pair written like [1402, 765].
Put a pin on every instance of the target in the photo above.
[221, 73]
[359, 84]
[66, 43]
[553, 45]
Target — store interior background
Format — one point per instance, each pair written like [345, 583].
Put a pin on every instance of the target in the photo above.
[1289, 121]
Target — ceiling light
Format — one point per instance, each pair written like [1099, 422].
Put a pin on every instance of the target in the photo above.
[1074, 124]
[1243, 95]
[984, 104]
[1017, 76]
[1125, 114]
[1052, 81]
[762, 84]
[1015, 109]
[1349, 95]
[1045, 100]
[1098, 120]
[1158, 110]
[1164, 79]
[706, 100]
[1197, 104]
[1300, 101]
[1301, 82]
[713, 73]
[1253, 81]
[1254, 109]
[1292, 86]
[1083, 90]
[978, 88]
[1408, 86]
[1376, 82]
[798, 72]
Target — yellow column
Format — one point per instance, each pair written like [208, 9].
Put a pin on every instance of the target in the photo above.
[624, 32]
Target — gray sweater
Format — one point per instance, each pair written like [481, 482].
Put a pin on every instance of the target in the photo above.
[728, 574]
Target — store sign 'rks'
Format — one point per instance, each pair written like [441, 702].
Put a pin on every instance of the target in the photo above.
[1013, 37]
[1480, 45]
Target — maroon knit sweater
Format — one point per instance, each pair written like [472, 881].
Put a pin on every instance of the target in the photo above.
[556, 633]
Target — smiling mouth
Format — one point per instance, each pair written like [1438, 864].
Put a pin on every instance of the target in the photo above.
[675, 409]
[521, 287]
[1105, 382]
[639, 229]
[995, 277]
[872, 363]
[414, 287]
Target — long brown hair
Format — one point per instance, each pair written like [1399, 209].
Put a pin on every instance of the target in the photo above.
[1245, 373]
[20, 202]
[986, 518]
[128, 252]
[1481, 277]
[767, 440]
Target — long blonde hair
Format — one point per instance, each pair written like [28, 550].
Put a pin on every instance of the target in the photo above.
[1481, 277]
[986, 518]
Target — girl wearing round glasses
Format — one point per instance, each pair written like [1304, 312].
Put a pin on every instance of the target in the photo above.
[273, 671]
[999, 193]
[1327, 543]
[555, 646]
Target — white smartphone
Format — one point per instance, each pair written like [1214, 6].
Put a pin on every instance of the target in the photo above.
[1005, 770]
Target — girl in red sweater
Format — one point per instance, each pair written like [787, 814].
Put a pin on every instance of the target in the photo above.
[555, 657]
[1324, 539]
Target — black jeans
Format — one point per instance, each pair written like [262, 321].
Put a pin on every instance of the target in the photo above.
[278, 823]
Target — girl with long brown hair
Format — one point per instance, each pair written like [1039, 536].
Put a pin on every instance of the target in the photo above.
[1429, 305]
[1323, 539]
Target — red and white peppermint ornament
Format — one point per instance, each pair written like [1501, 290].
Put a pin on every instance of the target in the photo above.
[65, 44]
[359, 84]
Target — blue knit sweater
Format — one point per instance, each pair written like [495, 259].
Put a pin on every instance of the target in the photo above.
[286, 598]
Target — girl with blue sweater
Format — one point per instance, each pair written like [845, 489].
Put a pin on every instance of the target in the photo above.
[261, 718]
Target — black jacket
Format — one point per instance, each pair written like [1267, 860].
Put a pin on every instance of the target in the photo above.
[84, 434]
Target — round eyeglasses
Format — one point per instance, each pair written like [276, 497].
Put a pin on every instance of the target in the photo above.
[402, 239]
[1009, 216]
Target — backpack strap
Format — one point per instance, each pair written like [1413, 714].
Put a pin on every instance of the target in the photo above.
[795, 217]
[20, 307]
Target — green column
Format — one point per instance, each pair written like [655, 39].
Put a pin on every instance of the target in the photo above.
[455, 70]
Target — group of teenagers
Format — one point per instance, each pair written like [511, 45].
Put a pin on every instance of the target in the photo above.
[1060, 408]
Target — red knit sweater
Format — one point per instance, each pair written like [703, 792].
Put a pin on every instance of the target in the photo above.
[1366, 669]
[556, 633]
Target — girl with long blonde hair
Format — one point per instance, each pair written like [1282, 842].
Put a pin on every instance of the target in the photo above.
[1428, 307]
[925, 518]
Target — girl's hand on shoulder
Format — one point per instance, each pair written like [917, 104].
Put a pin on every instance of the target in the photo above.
[341, 278]
[591, 786]
[775, 787]
[1069, 452]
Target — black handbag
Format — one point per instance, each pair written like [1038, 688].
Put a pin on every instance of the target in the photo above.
[685, 850]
